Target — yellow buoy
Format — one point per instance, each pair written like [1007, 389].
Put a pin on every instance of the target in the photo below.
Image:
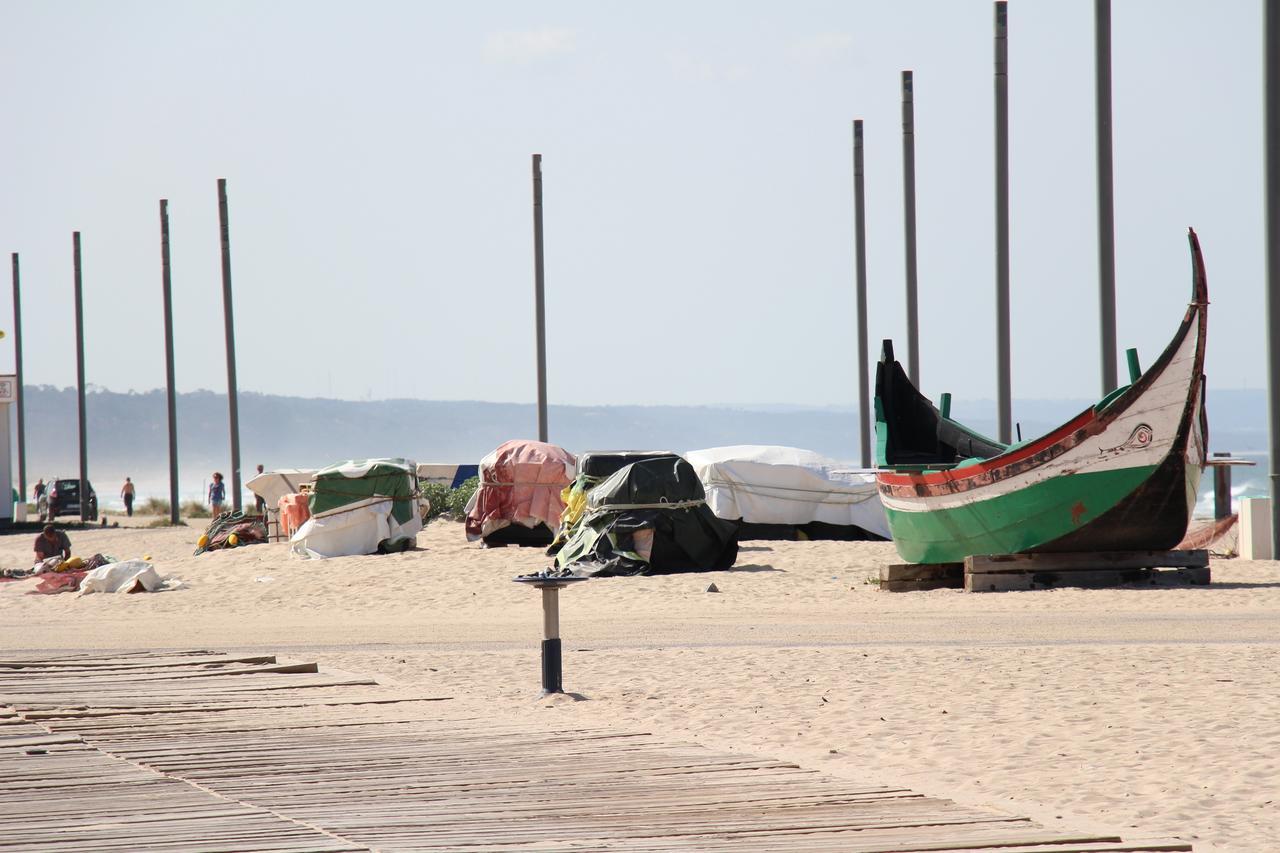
[147, 557]
[233, 540]
[203, 541]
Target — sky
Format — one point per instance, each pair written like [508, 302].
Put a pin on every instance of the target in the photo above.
[698, 193]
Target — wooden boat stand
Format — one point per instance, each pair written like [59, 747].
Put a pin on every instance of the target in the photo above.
[1008, 572]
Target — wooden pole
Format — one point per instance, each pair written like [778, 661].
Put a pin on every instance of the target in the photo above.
[1271, 96]
[18, 380]
[1003, 376]
[1106, 206]
[539, 284]
[233, 409]
[909, 223]
[860, 249]
[80, 409]
[170, 392]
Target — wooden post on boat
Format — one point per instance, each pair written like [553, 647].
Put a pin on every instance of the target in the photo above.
[1106, 207]
[1271, 96]
[909, 224]
[228, 315]
[1003, 377]
[860, 266]
[170, 391]
[539, 284]
[17, 359]
[84, 443]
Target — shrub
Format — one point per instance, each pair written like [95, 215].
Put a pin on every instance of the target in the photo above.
[153, 506]
[438, 494]
[164, 522]
[458, 497]
[195, 509]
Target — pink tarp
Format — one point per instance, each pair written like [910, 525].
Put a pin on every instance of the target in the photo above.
[520, 483]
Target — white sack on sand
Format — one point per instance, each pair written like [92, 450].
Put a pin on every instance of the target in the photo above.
[124, 576]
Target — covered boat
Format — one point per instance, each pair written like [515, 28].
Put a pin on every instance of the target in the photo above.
[271, 486]
[1120, 476]
[594, 467]
[519, 499]
[789, 493]
[650, 517]
[362, 506]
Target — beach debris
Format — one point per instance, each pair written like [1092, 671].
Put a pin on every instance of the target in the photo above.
[264, 579]
[713, 588]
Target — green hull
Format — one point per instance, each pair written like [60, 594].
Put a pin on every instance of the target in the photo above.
[1014, 522]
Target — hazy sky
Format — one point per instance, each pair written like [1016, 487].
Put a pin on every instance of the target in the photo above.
[698, 193]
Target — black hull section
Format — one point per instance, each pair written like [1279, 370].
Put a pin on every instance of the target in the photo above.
[1154, 517]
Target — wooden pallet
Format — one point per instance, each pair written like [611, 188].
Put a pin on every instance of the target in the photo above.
[222, 753]
[1008, 572]
[915, 577]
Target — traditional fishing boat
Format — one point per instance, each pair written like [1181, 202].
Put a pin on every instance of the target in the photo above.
[1120, 476]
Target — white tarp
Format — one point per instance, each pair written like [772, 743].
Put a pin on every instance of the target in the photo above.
[124, 576]
[271, 486]
[353, 531]
[787, 485]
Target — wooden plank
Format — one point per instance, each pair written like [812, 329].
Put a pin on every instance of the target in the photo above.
[922, 572]
[1096, 579]
[921, 585]
[996, 563]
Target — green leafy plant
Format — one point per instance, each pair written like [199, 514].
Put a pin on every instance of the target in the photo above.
[458, 497]
[195, 509]
[438, 495]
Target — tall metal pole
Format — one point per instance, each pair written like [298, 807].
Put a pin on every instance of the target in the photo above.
[17, 353]
[233, 408]
[1271, 95]
[1106, 212]
[909, 222]
[860, 248]
[539, 301]
[84, 442]
[1003, 378]
[171, 394]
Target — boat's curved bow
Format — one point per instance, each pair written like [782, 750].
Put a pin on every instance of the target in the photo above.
[1121, 475]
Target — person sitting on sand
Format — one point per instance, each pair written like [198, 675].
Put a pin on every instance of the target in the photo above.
[52, 543]
[217, 494]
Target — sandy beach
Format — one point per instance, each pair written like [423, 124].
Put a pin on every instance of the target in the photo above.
[1147, 712]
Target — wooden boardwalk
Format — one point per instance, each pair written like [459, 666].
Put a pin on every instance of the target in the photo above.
[209, 752]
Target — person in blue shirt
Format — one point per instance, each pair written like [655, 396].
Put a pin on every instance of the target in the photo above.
[217, 494]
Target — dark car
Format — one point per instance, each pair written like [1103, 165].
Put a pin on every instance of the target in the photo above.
[63, 498]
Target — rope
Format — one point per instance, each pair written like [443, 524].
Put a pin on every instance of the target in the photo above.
[754, 489]
[661, 505]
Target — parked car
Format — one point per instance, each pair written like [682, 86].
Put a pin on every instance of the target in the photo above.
[62, 497]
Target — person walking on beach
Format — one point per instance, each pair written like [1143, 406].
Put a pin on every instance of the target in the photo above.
[217, 494]
[259, 502]
[126, 492]
[52, 543]
[38, 491]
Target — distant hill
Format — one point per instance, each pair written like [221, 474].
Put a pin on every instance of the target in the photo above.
[128, 433]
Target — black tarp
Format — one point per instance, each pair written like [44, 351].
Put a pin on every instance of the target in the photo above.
[656, 505]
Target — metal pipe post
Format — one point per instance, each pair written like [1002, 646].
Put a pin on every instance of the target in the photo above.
[171, 393]
[552, 672]
[1106, 207]
[909, 223]
[1003, 377]
[1271, 95]
[860, 254]
[539, 285]
[233, 407]
[18, 380]
[80, 414]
